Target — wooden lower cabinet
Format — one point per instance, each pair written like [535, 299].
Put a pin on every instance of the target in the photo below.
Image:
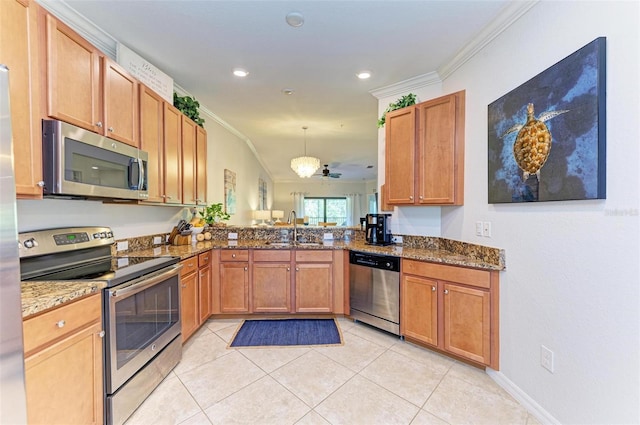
[63, 364]
[453, 309]
[271, 281]
[189, 297]
[314, 281]
[234, 281]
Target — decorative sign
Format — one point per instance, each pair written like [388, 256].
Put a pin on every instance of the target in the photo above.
[147, 73]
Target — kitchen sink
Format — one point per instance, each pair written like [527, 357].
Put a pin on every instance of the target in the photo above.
[279, 244]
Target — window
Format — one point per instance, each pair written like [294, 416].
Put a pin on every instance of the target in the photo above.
[328, 210]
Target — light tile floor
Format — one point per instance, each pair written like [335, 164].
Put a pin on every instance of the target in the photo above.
[374, 378]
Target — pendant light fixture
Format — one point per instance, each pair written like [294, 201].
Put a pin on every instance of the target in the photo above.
[305, 166]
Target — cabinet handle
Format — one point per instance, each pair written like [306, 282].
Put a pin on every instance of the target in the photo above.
[420, 197]
[297, 269]
[233, 255]
[411, 198]
[288, 269]
[110, 129]
[433, 289]
[246, 268]
[40, 183]
[99, 124]
[446, 291]
[61, 324]
[101, 334]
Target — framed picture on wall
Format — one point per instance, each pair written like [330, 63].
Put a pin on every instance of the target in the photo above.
[229, 191]
[262, 194]
[547, 137]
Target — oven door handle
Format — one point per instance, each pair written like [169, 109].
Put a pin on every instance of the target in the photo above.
[144, 282]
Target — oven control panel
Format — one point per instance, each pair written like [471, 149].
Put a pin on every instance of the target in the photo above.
[51, 241]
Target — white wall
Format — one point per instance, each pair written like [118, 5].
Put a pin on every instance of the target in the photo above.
[572, 279]
[224, 150]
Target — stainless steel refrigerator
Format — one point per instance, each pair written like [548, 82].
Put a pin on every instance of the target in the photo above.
[13, 405]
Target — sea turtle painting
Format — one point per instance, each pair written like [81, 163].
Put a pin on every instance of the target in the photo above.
[533, 142]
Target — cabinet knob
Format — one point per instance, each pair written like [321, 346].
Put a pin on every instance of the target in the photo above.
[114, 146]
[297, 269]
[101, 334]
[110, 129]
[99, 124]
[246, 268]
[40, 183]
[288, 269]
[233, 255]
[446, 291]
[184, 286]
[433, 289]
[61, 324]
[420, 197]
[411, 198]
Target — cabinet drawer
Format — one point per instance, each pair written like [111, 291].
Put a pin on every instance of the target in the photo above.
[272, 255]
[204, 259]
[234, 255]
[189, 265]
[64, 320]
[474, 277]
[320, 256]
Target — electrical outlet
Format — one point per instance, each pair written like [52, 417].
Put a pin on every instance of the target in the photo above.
[479, 230]
[157, 240]
[486, 229]
[233, 235]
[327, 237]
[122, 246]
[396, 239]
[546, 358]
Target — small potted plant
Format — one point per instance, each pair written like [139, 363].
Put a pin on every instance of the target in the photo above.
[214, 215]
[403, 102]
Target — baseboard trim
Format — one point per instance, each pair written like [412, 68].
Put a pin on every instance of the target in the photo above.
[523, 398]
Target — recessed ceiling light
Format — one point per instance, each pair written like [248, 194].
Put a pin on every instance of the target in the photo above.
[295, 19]
[240, 72]
[288, 92]
[363, 75]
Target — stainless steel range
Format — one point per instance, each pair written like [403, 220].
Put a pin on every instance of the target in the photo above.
[141, 307]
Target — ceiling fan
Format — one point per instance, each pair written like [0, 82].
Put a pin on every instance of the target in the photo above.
[325, 174]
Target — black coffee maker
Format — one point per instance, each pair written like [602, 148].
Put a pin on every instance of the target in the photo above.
[378, 231]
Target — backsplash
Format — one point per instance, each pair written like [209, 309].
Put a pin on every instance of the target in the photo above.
[316, 234]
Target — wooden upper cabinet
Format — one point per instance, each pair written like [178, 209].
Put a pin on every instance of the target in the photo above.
[120, 97]
[400, 156]
[73, 76]
[19, 52]
[424, 157]
[85, 88]
[152, 140]
[188, 161]
[172, 158]
[201, 166]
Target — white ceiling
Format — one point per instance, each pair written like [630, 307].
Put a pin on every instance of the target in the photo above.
[199, 43]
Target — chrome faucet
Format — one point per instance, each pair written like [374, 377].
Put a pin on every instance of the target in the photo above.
[295, 225]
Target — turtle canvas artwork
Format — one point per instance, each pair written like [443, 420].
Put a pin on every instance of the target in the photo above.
[547, 137]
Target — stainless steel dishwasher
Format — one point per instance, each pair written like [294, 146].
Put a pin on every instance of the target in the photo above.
[374, 285]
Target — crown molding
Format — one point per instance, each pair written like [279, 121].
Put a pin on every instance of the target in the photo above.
[509, 15]
[408, 85]
[83, 26]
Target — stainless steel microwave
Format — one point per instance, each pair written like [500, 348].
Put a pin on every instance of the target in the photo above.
[79, 163]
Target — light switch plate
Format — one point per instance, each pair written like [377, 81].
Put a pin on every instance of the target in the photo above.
[479, 230]
[486, 229]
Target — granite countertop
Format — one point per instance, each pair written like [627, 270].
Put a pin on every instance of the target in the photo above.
[38, 296]
[423, 254]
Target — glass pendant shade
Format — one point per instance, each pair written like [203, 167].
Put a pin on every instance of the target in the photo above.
[305, 166]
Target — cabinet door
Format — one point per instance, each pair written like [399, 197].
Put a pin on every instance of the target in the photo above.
[18, 50]
[234, 287]
[120, 97]
[400, 157]
[314, 288]
[64, 381]
[152, 140]
[189, 305]
[72, 77]
[172, 159]
[204, 293]
[441, 150]
[201, 166]
[188, 161]
[467, 325]
[271, 287]
[419, 309]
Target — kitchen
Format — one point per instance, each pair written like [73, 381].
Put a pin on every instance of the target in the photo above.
[545, 304]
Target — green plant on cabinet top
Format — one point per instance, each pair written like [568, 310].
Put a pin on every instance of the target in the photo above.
[403, 102]
[189, 106]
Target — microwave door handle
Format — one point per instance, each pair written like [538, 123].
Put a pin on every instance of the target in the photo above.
[141, 173]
